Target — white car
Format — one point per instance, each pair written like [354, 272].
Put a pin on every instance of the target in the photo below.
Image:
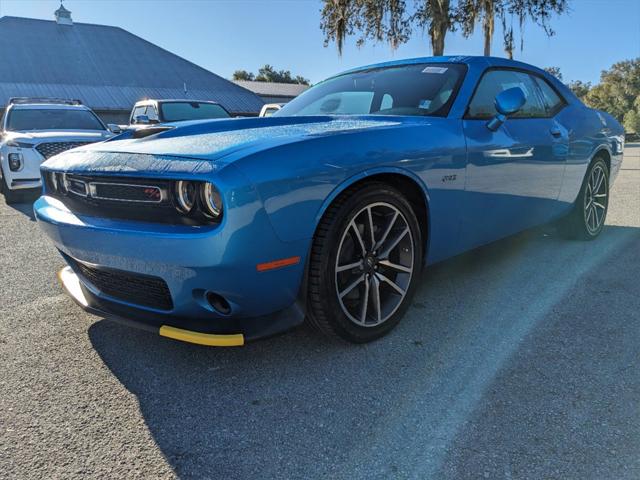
[34, 130]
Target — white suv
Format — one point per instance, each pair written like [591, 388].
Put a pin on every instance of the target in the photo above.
[34, 130]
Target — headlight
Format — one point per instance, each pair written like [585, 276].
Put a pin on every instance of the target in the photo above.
[56, 182]
[211, 200]
[186, 193]
[13, 143]
[618, 146]
[15, 161]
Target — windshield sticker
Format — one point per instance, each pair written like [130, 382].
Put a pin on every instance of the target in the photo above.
[435, 70]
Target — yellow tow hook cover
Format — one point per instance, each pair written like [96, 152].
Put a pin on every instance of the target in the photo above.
[208, 339]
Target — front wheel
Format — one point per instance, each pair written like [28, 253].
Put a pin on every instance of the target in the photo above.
[365, 261]
[586, 220]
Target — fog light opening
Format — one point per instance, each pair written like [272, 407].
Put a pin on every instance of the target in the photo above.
[15, 162]
[218, 303]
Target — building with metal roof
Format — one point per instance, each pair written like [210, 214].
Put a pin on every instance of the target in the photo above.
[273, 92]
[105, 67]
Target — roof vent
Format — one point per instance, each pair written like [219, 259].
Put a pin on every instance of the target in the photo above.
[63, 16]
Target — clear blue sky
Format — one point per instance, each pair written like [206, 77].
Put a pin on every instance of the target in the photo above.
[225, 35]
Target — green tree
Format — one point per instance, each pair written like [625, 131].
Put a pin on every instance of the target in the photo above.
[437, 17]
[470, 12]
[389, 21]
[243, 75]
[632, 121]
[618, 90]
[555, 71]
[394, 21]
[269, 74]
[580, 88]
[539, 12]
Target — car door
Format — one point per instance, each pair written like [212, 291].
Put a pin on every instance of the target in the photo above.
[514, 174]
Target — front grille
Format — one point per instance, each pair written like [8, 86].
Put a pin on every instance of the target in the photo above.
[48, 150]
[126, 192]
[135, 288]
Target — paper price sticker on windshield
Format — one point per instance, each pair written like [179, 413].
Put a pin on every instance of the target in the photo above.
[435, 70]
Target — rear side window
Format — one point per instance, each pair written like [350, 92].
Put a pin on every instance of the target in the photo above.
[553, 102]
[493, 82]
[387, 102]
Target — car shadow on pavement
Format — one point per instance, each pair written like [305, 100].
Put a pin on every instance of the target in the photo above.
[25, 206]
[514, 360]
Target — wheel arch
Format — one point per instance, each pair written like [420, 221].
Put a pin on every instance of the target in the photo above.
[405, 181]
[604, 153]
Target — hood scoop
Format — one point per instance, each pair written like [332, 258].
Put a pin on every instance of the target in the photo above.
[147, 132]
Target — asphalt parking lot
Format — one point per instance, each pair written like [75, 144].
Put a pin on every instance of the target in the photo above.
[517, 360]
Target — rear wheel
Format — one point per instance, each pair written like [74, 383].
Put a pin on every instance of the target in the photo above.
[365, 261]
[586, 220]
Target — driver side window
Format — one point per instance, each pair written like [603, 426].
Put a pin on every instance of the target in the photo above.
[482, 105]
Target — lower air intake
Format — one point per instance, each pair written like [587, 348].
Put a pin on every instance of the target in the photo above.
[128, 287]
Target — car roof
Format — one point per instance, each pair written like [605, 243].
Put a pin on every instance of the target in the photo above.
[463, 59]
[47, 106]
[170, 100]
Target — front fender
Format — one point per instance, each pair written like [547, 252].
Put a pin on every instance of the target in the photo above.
[298, 181]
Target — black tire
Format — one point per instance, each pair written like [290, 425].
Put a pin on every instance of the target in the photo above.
[327, 311]
[587, 218]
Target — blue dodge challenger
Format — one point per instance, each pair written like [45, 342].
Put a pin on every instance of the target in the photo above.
[218, 232]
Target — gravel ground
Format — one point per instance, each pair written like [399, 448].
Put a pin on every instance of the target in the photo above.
[517, 360]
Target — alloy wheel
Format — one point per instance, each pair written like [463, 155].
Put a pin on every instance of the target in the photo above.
[596, 200]
[374, 264]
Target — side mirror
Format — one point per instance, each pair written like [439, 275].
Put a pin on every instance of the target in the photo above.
[507, 103]
[142, 120]
[114, 128]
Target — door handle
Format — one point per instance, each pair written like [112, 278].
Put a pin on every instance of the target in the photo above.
[556, 132]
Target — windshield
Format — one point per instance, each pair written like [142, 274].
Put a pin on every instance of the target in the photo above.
[423, 89]
[179, 111]
[52, 119]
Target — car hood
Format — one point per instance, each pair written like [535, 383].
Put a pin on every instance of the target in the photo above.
[218, 139]
[38, 136]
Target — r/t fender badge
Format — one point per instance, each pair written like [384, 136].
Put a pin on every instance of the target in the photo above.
[449, 178]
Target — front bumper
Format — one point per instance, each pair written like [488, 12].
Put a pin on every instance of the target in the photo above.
[191, 261]
[28, 177]
[189, 330]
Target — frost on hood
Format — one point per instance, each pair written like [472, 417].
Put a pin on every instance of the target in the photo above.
[114, 162]
[201, 147]
[197, 141]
